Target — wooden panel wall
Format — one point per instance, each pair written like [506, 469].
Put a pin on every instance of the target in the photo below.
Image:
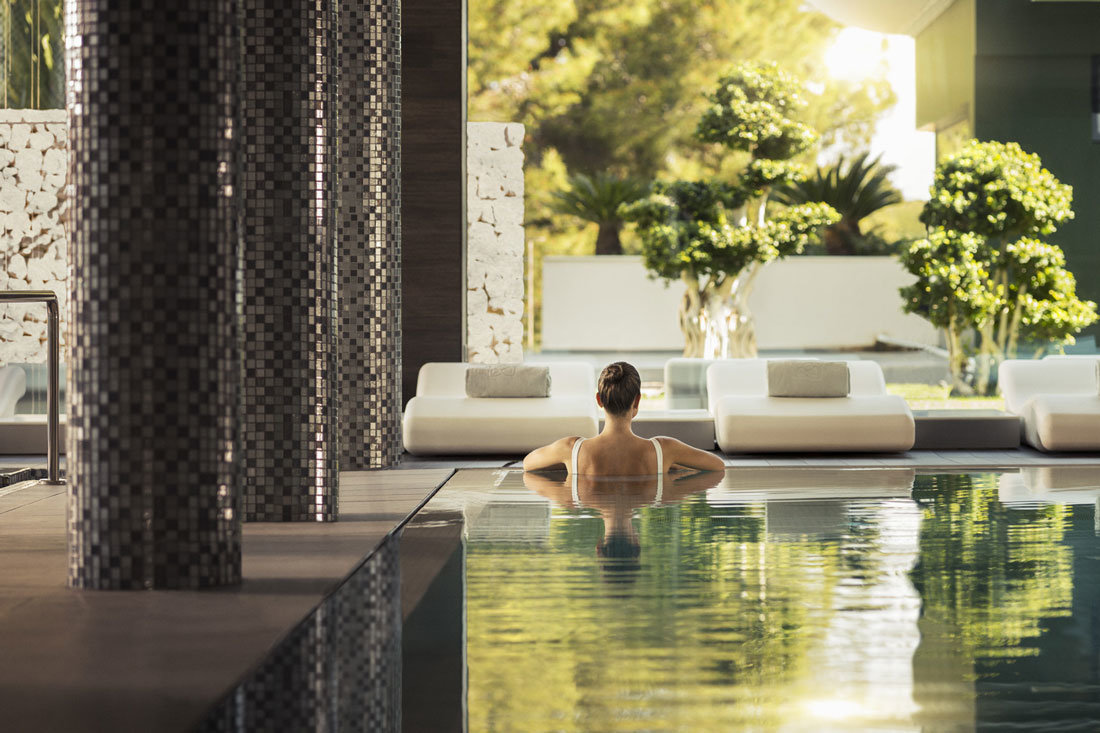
[433, 178]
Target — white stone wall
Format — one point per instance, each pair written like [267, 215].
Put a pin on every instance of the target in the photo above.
[495, 242]
[34, 206]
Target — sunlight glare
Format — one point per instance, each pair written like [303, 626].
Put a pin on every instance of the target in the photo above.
[856, 54]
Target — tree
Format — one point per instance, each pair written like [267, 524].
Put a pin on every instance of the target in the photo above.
[983, 274]
[855, 191]
[34, 54]
[616, 86]
[715, 236]
[598, 199]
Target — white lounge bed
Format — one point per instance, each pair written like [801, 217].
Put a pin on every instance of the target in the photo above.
[1058, 401]
[441, 419]
[747, 420]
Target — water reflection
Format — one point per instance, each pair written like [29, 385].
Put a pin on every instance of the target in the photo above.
[616, 501]
[745, 608]
[796, 600]
[1008, 577]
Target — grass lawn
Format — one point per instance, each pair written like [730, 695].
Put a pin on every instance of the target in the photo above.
[919, 397]
[935, 397]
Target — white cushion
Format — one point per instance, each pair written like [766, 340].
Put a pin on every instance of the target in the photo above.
[441, 419]
[13, 385]
[1022, 379]
[786, 424]
[1061, 422]
[507, 380]
[448, 379]
[808, 378]
[686, 383]
[749, 377]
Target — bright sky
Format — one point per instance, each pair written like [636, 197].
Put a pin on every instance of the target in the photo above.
[858, 53]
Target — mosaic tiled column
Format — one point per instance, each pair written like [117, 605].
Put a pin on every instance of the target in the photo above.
[154, 363]
[368, 57]
[289, 446]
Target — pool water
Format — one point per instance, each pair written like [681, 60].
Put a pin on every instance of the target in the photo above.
[764, 599]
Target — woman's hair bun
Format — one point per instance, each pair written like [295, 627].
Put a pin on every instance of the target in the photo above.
[619, 385]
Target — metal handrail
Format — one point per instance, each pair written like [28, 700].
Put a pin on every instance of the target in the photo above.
[53, 357]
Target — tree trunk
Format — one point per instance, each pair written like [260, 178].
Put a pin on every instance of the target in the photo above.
[691, 306]
[839, 238]
[607, 239]
[715, 317]
[956, 357]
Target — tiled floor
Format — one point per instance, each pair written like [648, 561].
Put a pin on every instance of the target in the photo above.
[154, 661]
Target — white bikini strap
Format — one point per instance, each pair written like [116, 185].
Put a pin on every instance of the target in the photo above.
[660, 471]
[573, 470]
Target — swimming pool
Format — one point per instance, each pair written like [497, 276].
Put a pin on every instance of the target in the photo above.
[765, 599]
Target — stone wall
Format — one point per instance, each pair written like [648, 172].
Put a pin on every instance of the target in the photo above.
[34, 204]
[495, 242]
[34, 196]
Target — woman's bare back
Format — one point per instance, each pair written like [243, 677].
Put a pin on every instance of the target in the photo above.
[618, 455]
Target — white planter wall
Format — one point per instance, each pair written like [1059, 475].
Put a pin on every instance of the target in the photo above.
[609, 304]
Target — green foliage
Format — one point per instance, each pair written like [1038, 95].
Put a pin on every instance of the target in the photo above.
[982, 275]
[752, 110]
[951, 290]
[686, 228]
[998, 191]
[856, 191]
[614, 84]
[991, 576]
[34, 58]
[598, 199]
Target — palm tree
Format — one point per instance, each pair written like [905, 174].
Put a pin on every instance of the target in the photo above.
[597, 199]
[856, 191]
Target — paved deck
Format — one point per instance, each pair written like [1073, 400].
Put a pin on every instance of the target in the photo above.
[157, 660]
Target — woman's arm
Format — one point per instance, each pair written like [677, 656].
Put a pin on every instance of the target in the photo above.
[682, 454]
[550, 456]
[553, 489]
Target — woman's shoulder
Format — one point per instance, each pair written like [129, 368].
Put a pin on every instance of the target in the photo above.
[668, 442]
[567, 442]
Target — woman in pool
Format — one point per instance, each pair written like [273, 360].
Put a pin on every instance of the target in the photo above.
[617, 451]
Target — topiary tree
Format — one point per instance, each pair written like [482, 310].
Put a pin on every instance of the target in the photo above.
[688, 234]
[598, 199]
[715, 236]
[983, 274]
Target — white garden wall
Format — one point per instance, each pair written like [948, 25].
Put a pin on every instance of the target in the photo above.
[609, 304]
[34, 204]
[494, 242]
